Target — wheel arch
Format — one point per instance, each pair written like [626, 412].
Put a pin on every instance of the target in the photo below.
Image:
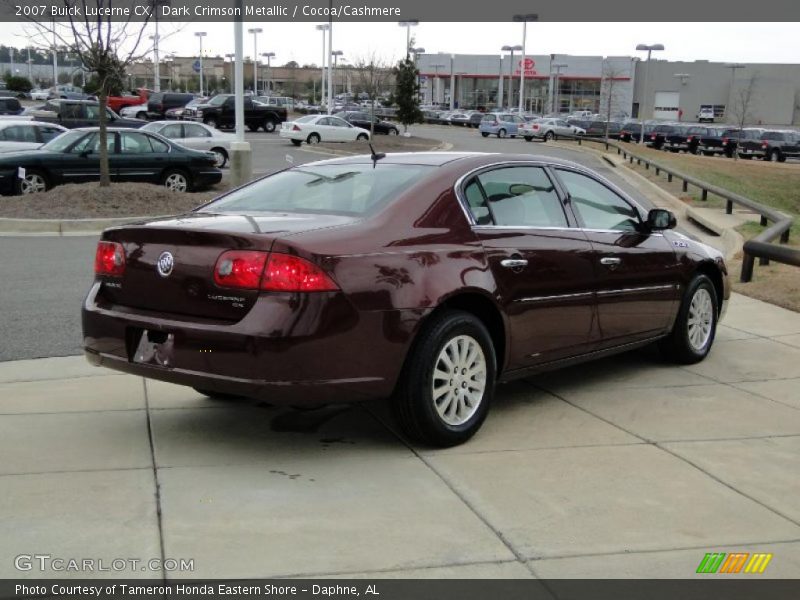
[712, 271]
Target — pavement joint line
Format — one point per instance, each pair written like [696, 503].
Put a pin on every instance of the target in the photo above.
[768, 436]
[389, 569]
[727, 485]
[781, 402]
[70, 471]
[157, 484]
[536, 449]
[666, 549]
[509, 546]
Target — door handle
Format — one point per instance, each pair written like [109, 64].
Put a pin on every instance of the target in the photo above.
[610, 261]
[514, 263]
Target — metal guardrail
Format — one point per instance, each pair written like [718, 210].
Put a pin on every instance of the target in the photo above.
[761, 246]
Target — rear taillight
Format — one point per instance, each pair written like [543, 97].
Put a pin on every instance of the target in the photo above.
[109, 259]
[240, 269]
[653, 137]
[286, 273]
[296, 128]
[247, 269]
[724, 140]
[690, 138]
[764, 144]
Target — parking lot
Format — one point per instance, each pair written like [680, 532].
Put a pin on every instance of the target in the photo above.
[628, 467]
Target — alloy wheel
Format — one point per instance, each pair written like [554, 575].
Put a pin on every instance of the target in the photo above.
[176, 182]
[33, 183]
[701, 317]
[459, 380]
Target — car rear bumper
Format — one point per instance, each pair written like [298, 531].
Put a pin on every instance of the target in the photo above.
[325, 353]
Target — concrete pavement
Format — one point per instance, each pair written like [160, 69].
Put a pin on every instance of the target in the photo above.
[627, 467]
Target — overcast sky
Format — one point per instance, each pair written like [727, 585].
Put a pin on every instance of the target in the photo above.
[740, 42]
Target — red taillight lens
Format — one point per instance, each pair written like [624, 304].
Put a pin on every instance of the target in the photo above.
[109, 259]
[240, 269]
[763, 144]
[286, 273]
[724, 140]
[247, 269]
[653, 137]
[690, 138]
[296, 128]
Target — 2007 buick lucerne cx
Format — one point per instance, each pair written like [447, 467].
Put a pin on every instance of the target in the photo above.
[421, 277]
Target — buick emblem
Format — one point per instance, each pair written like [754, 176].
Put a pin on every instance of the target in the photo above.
[165, 264]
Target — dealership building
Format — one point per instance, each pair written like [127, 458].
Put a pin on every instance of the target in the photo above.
[767, 94]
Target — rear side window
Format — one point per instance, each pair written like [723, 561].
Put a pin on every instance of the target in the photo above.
[522, 197]
[477, 203]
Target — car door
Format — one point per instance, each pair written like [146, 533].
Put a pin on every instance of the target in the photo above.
[341, 130]
[540, 261]
[197, 137]
[82, 162]
[137, 160]
[637, 273]
[71, 115]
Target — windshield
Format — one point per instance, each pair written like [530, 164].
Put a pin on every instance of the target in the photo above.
[217, 100]
[326, 189]
[63, 142]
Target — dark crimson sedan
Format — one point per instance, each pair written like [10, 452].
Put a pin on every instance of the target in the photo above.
[425, 278]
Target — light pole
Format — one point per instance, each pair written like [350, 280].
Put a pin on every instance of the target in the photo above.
[416, 52]
[232, 56]
[156, 70]
[255, 31]
[11, 56]
[556, 94]
[436, 90]
[684, 77]
[335, 54]
[733, 67]
[408, 25]
[30, 65]
[649, 49]
[511, 49]
[524, 20]
[169, 60]
[323, 29]
[200, 35]
[269, 56]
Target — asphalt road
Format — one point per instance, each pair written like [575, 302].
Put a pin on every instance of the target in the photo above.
[46, 278]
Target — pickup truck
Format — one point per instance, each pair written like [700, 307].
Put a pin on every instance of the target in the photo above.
[220, 112]
[79, 113]
[770, 145]
[117, 103]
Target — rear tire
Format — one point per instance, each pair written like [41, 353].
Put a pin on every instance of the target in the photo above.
[34, 182]
[696, 324]
[548, 136]
[222, 157]
[211, 122]
[501, 133]
[313, 138]
[362, 137]
[297, 142]
[528, 138]
[484, 134]
[269, 126]
[446, 387]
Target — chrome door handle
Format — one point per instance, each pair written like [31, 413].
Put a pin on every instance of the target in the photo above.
[610, 261]
[514, 263]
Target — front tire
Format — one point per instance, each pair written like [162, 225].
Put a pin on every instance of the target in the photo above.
[313, 138]
[696, 324]
[141, 115]
[297, 142]
[393, 131]
[362, 137]
[548, 136]
[176, 180]
[501, 133]
[447, 384]
[211, 122]
[221, 156]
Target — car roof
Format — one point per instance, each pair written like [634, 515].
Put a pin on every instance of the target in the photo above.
[438, 159]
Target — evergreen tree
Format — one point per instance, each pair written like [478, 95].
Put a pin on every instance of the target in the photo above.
[407, 93]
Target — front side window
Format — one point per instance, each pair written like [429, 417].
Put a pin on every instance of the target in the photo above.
[19, 133]
[522, 197]
[596, 205]
[48, 133]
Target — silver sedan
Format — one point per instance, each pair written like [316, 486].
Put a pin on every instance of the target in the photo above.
[195, 136]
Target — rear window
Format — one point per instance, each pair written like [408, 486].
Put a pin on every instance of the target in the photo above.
[490, 118]
[324, 189]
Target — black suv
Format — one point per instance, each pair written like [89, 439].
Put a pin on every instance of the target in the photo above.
[158, 103]
[658, 136]
[748, 144]
[706, 140]
[363, 120]
[80, 113]
[780, 145]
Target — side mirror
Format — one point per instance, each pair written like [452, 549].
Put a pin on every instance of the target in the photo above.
[659, 219]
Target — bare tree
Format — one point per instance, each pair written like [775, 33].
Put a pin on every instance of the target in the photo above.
[740, 113]
[610, 92]
[104, 45]
[372, 78]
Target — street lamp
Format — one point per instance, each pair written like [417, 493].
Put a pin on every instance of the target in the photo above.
[156, 70]
[511, 49]
[335, 54]
[649, 49]
[200, 35]
[323, 29]
[255, 31]
[408, 25]
[232, 56]
[556, 99]
[733, 67]
[524, 20]
[269, 56]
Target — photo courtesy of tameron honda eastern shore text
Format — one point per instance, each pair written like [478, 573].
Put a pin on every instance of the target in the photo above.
[425, 278]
